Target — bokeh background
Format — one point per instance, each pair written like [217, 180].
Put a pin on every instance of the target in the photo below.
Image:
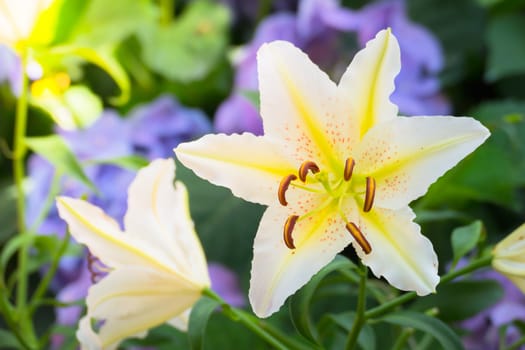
[152, 74]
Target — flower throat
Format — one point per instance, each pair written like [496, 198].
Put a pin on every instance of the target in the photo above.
[337, 190]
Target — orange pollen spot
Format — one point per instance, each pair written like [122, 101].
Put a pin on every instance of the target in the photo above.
[283, 187]
[305, 168]
[349, 168]
[359, 237]
[370, 194]
[288, 229]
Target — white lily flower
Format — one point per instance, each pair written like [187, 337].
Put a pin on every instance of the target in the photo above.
[335, 166]
[509, 257]
[18, 19]
[157, 268]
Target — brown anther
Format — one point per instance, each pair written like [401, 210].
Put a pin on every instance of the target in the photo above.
[305, 168]
[91, 261]
[349, 168]
[370, 194]
[283, 187]
[288, 229]
[359, 237]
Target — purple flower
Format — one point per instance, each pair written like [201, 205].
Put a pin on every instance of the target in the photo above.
[158, 127]
[11, 69]
[225, 283]
[417, 87]
[484, 327]
[318, 29]
[237, 114]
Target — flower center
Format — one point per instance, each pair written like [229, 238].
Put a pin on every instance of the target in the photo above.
[337, 189]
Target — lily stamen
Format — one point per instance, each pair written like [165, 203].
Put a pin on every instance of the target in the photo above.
[370, 194]
[349, 168]
[283, 187]
[288, 229]
[359, 237]
[94, 268]
[305, 168]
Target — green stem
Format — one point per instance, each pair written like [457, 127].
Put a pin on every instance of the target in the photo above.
[19, 152]
[403, 338]
[392, 304]
[360, 311]
[8, 312]
[246, 319]
[23, 323]
[167, 8]
[44, 283]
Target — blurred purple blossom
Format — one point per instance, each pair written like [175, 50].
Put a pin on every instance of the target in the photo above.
[11, 69]
[225, 283]
[484, 327]
[158, 127]
[417, 87]
[319, 29]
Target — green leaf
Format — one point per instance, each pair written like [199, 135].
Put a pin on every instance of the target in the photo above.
[301, 301]
[475, 178]
[187, 49]
[200, 314]
[84, 104]
[465, 238]
[103, 57]
[462, 299]
[112, 21]
[8, 340]
[506, 46]
[427, 324]
[12, 246]
[56, 151]
[128, 162]
[7, 211]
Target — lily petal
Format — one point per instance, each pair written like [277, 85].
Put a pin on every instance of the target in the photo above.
[133, 300]
[89, 225]
[400, 253]
[278, 271]
[404, 167]
[368, 82]
[251, 166]
[158, 215]
[299, 105]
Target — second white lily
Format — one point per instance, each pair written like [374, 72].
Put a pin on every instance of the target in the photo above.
[157, 268]
[335, 166]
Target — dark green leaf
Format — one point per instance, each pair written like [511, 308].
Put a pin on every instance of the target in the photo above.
[461, 300]
[12, 246]
[301, 301]
[200, 314]
[188, 48]
[56, 151]
[427, 324]
[465, 238]
[506, 45]
[8, 340]
[495, 181]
